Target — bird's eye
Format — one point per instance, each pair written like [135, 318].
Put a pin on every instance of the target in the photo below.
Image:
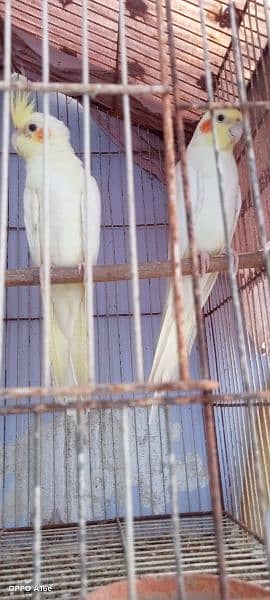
[32, 127]
[220, 118]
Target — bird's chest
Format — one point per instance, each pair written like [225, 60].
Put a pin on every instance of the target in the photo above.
[65, 231]
[209, 226]
[65, 223]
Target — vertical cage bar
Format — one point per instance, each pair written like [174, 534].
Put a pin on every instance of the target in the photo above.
[131, 195]
[213, 467]
[45, 284]
[175, 257]
[262, 231]
[130, 552]
[209, 411]
[129, 529]
[37, 508]
[87, 172]
[187, 197]
[176, 530]
[226, 427]
[81, 416]
[81, 458]
[248, 138]
[4, 181]
[171, 193]
[45, 251]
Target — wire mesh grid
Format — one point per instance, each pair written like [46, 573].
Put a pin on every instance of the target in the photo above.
[106, 560]
[236, 432]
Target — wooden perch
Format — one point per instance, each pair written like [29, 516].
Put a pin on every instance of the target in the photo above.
[18, 277]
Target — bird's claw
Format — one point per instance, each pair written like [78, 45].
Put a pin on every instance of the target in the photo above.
[235, 261]
[204, 262]
[81, 269]
[41, 277]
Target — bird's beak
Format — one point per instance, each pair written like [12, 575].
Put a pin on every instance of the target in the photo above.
[236, 130]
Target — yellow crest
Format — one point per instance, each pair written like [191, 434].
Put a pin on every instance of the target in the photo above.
[22, 107]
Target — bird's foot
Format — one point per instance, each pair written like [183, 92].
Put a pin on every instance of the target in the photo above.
[204, 262]
[82, 270]
[235, 260]
[41, 277]
[81, 267]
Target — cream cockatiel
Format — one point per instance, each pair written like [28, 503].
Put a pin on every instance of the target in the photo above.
[208, 225]
[67, 206]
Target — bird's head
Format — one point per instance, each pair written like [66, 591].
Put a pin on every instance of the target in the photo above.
[228, 128]
[28, 135]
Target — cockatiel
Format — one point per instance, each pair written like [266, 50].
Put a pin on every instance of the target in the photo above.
[208, 225]
[67, 206]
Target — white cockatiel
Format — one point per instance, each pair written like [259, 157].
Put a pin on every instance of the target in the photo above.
[208, 225]
[67, 210]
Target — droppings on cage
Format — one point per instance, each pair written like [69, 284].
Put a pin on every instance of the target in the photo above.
[191, 493]
[65, 3]
[201, 82]
[137, 9]
[224, 20]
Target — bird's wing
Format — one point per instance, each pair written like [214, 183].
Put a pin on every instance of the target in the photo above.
[196, 195]
[95, 213]
[208, 281]
[237, 209]
[167, 342]
[32, 223]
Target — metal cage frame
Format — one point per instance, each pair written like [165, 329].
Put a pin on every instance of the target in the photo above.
[186, 390]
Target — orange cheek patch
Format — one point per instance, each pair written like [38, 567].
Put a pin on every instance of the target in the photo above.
[206, 126]
[39, 135]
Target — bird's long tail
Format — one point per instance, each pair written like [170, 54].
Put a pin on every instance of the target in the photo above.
[69, 343]
[165, 365]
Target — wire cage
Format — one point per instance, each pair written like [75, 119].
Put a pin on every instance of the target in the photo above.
[91, 490]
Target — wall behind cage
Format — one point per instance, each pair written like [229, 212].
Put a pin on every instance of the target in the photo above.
[114, 363]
